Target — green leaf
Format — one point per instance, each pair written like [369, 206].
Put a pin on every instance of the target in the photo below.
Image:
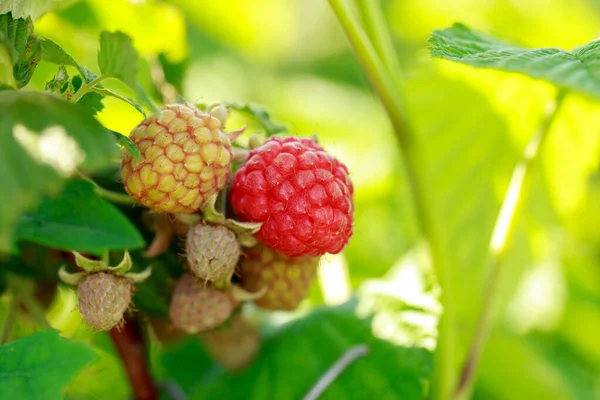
[92, 100]
[27, 52]
[538, 367]
[52, 52]
[127, 143]
[103, 379]
[465, 158]
[60, 82]
[65, 87]
[260, 115]
[578, 70]
[31, 8]
[187, 363]
[119, 59]
[81, 14]
[7, 59]
[79, 220]
[35, 262]
[294, 358]
[43, 139]
[25, 68]
[16, 31]
[40, 366]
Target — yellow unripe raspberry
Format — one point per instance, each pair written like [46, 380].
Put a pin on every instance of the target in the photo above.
[286, 280]
[186, 158]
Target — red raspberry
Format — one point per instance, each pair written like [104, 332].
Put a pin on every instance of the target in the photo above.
[302, 194]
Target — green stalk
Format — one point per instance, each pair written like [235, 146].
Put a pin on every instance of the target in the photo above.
[87, 87]
[376, 27]
[114, 197]
[386, 78]
[374, 68]
[512, 207]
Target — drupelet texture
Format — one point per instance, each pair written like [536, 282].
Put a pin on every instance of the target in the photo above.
[196, 307]
[212, 252]
[287, 280]
[103, 299]
[302, 195]
[185, 158]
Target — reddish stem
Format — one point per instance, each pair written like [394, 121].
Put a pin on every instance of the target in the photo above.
[129, 341]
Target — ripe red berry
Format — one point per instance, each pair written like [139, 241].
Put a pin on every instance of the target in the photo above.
[302, 195]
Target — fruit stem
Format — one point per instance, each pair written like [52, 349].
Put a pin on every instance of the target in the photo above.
[386, 80]
[114, 197]
[167, 91]
[87, 87]
[162, 238]
[240, 155]
[514, 201]
[129, 342]
[210, 212]
[223, 283]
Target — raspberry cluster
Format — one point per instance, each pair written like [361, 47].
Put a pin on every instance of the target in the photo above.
[290, 202]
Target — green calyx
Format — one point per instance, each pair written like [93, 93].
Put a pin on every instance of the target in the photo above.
[90, 266]
[240, 294]
[212, 215]
[220, 112]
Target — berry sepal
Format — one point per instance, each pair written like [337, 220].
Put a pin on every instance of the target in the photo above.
[90, 266]
[104, 293]
[240, 294]
[212, 215]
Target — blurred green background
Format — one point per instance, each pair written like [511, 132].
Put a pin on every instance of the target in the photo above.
[292, 57]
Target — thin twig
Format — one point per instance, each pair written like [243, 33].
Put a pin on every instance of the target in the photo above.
[129, 342]
[86, 88]
[335, 370]
[514, 201]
